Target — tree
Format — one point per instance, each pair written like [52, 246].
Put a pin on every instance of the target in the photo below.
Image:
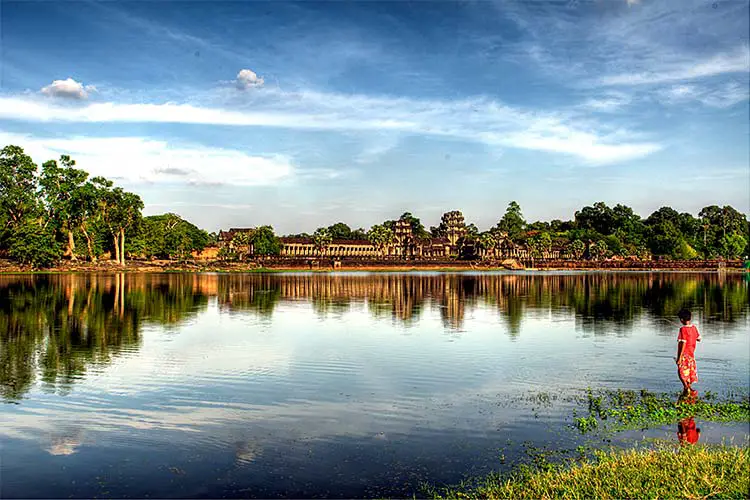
[63, 191]
[88, 199]
[169, 236]
[381, 237]
[487, 242]
[599, 218]
[718, 222]
[34, 244]
[733, 245]
[599, 249]
[321, 239]
[539, 244]
[577, 248]
[417, 228]
[265, 241]
[340, 231]
[18, 200]
[120, 211]
[241, 242]
[664, 238]
[512, 222]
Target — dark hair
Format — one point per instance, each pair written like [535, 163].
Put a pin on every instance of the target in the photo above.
[684, 315]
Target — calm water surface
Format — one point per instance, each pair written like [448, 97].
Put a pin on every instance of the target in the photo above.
[319, 385]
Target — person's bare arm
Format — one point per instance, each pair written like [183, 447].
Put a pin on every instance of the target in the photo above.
[680, 348]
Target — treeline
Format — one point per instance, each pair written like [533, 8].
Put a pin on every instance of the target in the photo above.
[597, 231]
[56, 211]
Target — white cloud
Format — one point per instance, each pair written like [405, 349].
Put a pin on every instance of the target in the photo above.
[607, 103]
[247, 78]
[138, 159]
[716, 96]
[68, 88]
[478, 120]
[688, 69]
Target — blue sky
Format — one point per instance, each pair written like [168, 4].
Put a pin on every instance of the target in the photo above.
[303, 114]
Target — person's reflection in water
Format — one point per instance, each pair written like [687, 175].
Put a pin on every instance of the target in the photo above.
[687, 432]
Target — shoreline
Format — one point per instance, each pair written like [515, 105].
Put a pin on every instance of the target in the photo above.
[8, 268]
[632, 473]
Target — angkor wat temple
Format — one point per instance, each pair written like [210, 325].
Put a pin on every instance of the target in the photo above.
[453, 242]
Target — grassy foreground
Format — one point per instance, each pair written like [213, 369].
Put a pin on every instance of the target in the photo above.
[690, 472]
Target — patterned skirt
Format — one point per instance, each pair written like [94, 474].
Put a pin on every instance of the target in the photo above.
[687, 370]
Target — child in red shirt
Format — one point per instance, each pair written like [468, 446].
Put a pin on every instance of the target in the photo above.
[686, 341]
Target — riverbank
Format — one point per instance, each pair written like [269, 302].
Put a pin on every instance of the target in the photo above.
[289, 265]
[686, 472]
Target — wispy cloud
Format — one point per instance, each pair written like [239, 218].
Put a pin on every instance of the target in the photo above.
[607, 103]
[632, 46]
[480, 120]
[737, 61]
[138, 159]
[724, 95]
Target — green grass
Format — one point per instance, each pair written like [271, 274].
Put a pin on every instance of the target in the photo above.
[688, 472]
[621, 410]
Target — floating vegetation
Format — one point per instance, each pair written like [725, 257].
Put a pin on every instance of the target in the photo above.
[689, 472]
[621, 410]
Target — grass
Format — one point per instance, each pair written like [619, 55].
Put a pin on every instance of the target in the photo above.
[689, 472]
[621, 410]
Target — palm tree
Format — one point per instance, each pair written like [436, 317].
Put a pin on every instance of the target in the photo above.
[381, 237]
[321, 239]
[488, 243]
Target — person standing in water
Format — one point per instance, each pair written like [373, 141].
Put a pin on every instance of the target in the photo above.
[686, 341]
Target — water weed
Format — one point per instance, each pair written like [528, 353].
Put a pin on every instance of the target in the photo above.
[621, 410]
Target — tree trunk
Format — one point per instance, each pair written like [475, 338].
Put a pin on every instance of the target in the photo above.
[92, 257]
[70, 251]
[116, 239]
[122, 247]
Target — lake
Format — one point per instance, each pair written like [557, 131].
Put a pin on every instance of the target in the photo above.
[333, 385]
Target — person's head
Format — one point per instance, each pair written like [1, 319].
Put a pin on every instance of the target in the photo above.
[684, 316]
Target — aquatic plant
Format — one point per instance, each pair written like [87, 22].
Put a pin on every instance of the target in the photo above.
[620, 410]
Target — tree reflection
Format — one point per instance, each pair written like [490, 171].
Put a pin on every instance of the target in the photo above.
[54, 328]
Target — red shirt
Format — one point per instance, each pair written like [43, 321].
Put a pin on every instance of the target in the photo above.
[689, 335]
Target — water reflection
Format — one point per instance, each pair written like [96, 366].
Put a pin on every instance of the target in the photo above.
[58, 327]
[687, 432]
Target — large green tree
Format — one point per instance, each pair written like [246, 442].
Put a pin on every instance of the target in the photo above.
[381, 237]
[265, 241]
[599, 218]
[512, 222]
[63, 190]
[18, 187]
[340, 231]
[168, 236]
[120, 211]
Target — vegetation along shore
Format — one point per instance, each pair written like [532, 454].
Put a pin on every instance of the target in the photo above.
[56, 217]
[666, 472]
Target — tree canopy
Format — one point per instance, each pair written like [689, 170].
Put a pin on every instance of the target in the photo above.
[58, 211]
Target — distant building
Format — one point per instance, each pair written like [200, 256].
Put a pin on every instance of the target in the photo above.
[305, 247]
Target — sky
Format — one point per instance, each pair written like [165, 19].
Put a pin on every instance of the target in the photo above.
[300, 115]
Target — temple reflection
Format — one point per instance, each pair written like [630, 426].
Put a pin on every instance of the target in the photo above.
[54, 328]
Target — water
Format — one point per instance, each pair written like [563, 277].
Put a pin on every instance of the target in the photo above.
[319, 385]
